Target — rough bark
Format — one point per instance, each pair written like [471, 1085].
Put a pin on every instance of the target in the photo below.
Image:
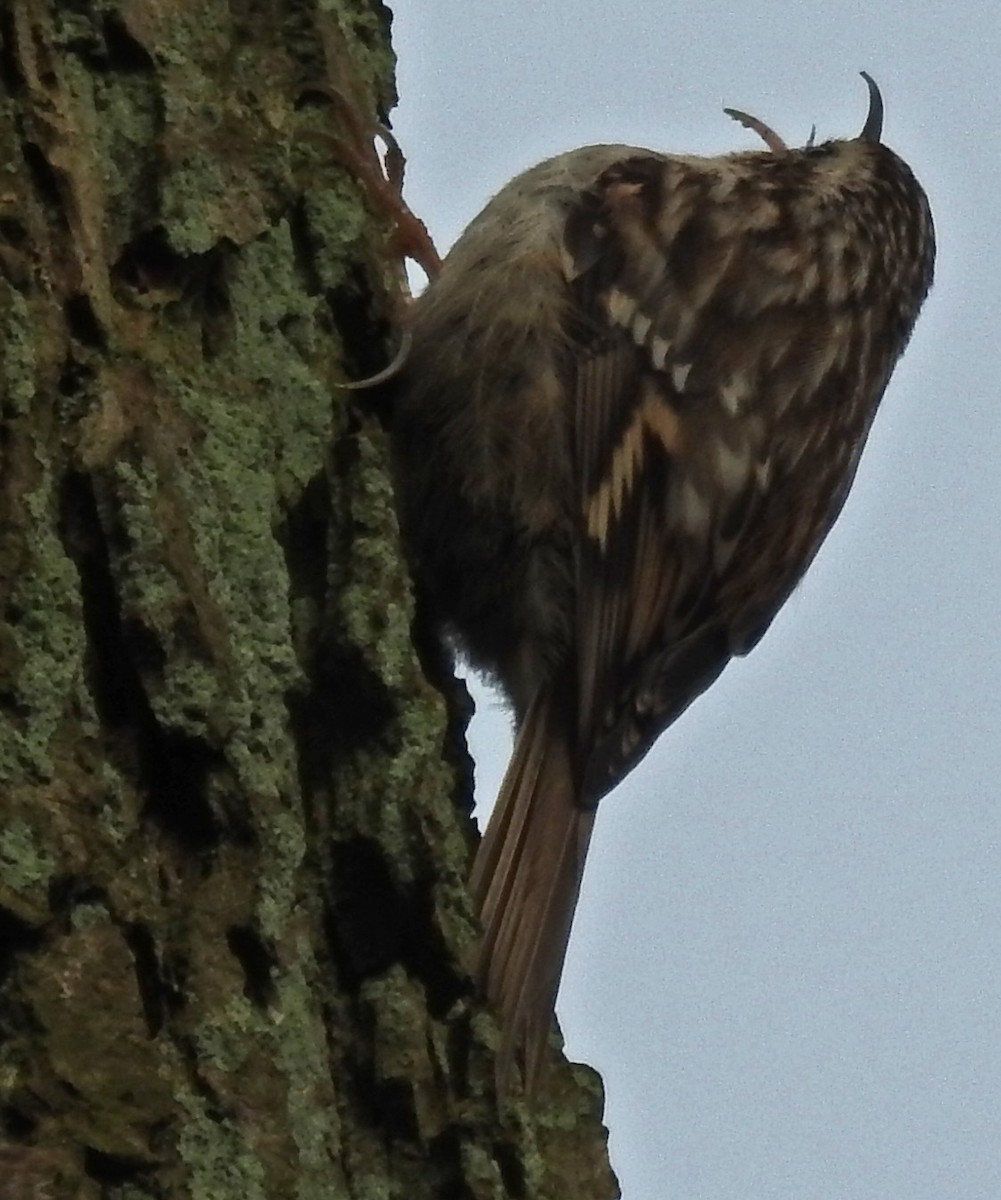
[234, 825]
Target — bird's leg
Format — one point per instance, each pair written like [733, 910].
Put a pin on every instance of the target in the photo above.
[381, 179]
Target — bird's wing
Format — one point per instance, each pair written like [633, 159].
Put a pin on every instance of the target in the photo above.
[666, 482]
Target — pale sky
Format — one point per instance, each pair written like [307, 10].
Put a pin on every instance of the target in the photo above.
[786, 962]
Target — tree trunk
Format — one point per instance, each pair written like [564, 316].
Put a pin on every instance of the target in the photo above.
[234, 816]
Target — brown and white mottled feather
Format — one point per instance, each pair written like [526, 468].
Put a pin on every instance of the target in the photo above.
[635, 402]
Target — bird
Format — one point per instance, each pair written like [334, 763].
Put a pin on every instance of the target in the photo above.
[633, 404]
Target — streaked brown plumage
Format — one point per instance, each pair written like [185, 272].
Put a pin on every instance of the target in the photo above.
[635, 402]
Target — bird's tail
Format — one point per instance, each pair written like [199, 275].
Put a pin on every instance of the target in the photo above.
[525, 882]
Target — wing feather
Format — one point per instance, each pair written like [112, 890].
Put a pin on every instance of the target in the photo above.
[647, 636]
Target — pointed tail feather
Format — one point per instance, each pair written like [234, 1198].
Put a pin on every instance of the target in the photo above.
[525, 881]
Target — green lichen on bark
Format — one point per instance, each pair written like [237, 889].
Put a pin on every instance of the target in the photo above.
[26, 866]
[234, 927]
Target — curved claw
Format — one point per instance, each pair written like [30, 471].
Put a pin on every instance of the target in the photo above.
[765, 132]
[872, 131]
[394, 368]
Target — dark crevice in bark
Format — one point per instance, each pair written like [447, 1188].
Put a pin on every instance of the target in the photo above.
[373, 923]
[13, 232]
[111, 1168]
[258, 962]
[364, 336]
[82, 322]
[512, 1169]
[209, 292]
[368, 918]
[74, 378]
[69, 892]
[16, 937]
[358, 706]
[303, 538]
[10, 69]
[438, 666]
[124, 53]
[383, 1104]
[11, 703]
[309, 720]
[445, 1153]
[176, 768]
[149, 977]
[147, 263]
[172, 767]
[304, 248]
[16, 1124]
[428, 955]
[46, 183]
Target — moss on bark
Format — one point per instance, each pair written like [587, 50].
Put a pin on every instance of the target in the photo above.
[234, 927]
